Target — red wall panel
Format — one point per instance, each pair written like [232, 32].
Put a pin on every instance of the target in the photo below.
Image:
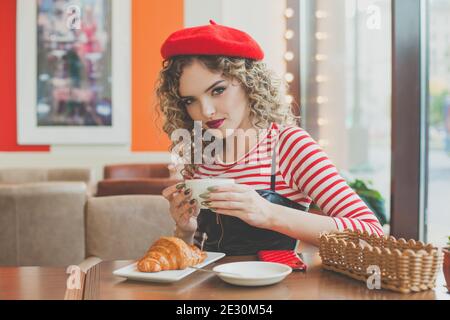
[8, 112]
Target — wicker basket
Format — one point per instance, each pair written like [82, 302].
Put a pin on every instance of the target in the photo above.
[405, 266]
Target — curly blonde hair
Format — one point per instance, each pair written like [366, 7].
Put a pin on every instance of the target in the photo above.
[263, 89]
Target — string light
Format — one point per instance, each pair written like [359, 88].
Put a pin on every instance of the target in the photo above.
[289, 55]
[321, 35]
[321, 100]
[322, 122]
[289, 34]
[289, 77]
[320, 14]
[289, 12]
[321, 79]
[289, 99]
[321, 57]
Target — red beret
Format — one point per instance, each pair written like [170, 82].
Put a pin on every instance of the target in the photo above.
[212, 39]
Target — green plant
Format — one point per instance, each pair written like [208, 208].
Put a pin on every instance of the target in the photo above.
[437, 106]
[372, 198]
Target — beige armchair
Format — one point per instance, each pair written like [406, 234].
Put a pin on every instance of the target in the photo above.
[123, 227]
[42, 223]
[46, 222]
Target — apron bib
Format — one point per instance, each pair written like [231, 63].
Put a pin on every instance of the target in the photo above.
[233, 236]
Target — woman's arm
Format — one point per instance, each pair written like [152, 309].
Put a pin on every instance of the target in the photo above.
[305, 166]
[299, 224]
[243, 202]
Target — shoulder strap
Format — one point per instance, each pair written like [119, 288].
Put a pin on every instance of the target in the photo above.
[273, 170]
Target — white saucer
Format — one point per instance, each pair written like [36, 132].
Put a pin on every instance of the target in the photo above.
[253, 273]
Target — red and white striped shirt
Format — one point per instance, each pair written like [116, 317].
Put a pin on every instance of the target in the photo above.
[304, 173]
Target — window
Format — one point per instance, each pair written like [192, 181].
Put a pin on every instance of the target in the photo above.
[438, 213]
[346, 86]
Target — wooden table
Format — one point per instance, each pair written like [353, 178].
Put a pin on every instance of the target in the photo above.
[316, 283]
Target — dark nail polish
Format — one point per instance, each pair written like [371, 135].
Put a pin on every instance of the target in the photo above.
[192, 201]
[190, 210]
[204, 195]
[211, 188]
[180, 186]
[187, 191]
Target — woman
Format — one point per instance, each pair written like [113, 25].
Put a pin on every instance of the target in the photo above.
[215, 75]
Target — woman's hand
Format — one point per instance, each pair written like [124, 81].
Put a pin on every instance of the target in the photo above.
[240, 201]
[183, 209]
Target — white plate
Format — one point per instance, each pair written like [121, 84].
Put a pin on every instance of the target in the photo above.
[131, 271]
[253, 273]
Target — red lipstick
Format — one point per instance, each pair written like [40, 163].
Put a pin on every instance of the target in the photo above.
[214, 124]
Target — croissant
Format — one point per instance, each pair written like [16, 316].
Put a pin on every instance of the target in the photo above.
[170, 253]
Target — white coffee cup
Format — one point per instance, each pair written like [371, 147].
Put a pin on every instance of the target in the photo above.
[200, 186]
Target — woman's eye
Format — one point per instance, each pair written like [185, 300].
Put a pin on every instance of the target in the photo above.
[218, 90]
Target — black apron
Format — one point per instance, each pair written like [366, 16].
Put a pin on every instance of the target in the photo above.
[233, 236]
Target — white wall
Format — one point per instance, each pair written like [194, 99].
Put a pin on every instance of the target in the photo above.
[199, 12]
[262, 19]
[94, 157]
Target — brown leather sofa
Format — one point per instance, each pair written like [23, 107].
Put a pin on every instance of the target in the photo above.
[11, 176]
[122, 179]
[136, 170]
